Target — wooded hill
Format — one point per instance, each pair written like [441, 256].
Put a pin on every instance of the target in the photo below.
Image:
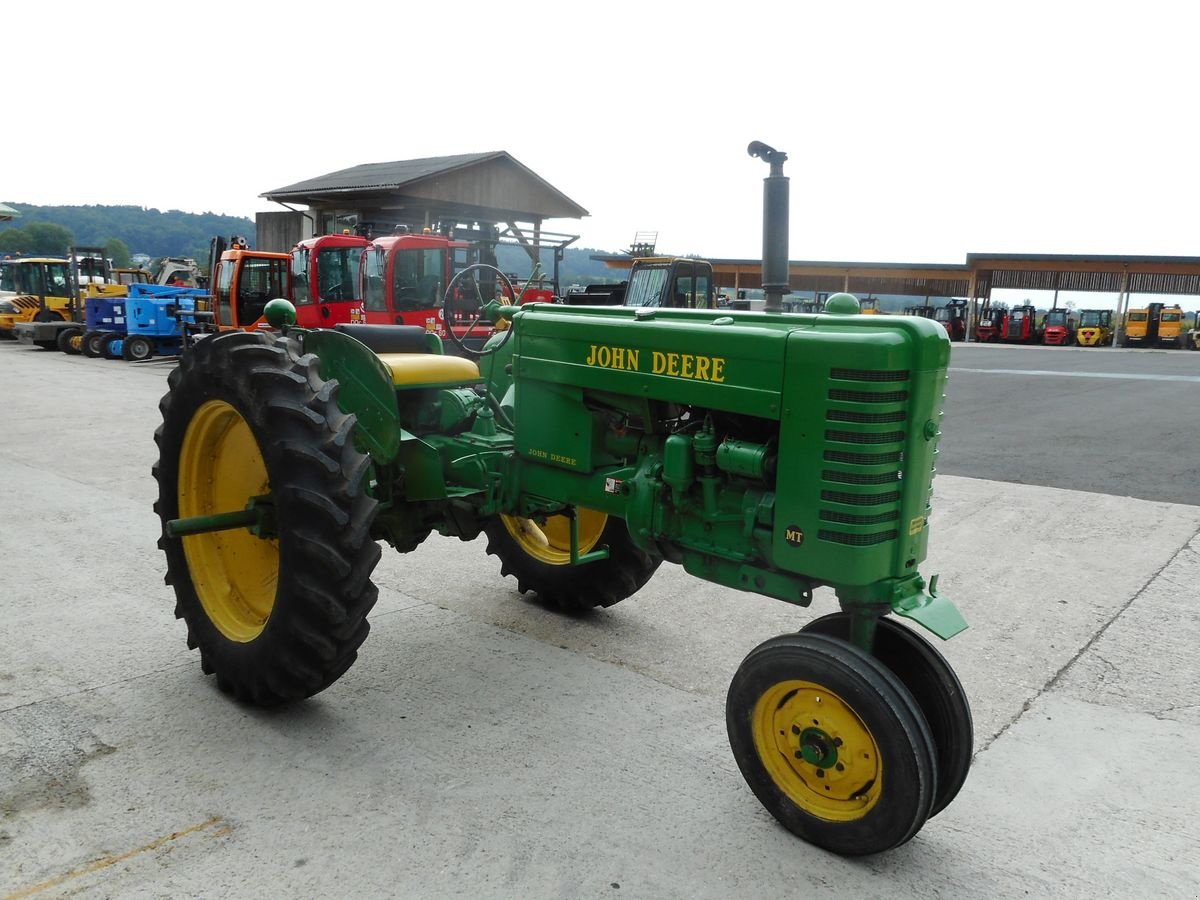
[175, 233]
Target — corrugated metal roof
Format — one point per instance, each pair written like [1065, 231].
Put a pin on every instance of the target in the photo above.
[370, 180]
[382, 175]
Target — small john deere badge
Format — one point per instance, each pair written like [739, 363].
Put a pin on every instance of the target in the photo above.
[793, 535]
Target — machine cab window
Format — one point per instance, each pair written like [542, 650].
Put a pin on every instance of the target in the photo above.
[223, 291]
[337, 273]
[259, 281]
[417, 277]
[374, 286]
[678, 284]
[300, 288]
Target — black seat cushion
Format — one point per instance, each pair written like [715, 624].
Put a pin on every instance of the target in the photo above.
[388, 338]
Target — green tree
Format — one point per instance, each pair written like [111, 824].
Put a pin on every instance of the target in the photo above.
[48, 239]
[14, 240]
[115, 249]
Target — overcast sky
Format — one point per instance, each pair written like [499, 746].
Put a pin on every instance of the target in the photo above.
[916, 132]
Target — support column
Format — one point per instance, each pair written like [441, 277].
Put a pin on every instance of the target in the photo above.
[1119, 315]
[972, 312]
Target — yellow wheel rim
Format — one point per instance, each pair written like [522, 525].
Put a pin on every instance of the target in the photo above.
[234, 573]
[817, 751]
[549, 540]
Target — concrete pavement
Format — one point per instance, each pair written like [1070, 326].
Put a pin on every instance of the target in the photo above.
[483, 746]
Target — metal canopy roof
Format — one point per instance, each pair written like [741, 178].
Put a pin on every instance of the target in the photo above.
[469, 183]
[981, 273]
[1107, 274]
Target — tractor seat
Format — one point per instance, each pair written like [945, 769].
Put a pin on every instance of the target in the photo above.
[392, 338]
[412, 370]
[413, 355]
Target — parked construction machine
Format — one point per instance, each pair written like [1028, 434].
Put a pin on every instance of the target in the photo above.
[325, 279]
[953, 317]
[1059, 328]
[243, 281]
[765, 452]
[992, 323]
[1154, 325]
[1020, 326]
[662, 281]
[47, 308]
[1191, 337]
[1095, 328]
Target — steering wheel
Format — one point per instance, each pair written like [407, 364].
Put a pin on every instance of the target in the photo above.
[450, 309]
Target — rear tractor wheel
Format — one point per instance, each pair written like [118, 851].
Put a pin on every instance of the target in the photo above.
[831, 743]
[276, 603]
[538, 553]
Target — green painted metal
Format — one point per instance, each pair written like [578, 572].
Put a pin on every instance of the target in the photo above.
[279, 313]
[771, 453]
[258, 516]
[365, 388]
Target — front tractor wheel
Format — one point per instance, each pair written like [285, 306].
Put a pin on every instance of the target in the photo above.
[922, 669]
[831, 743]
[278, 607]
[538, 553]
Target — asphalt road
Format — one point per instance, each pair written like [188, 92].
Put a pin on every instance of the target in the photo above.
[1121, 422]
[484, 746]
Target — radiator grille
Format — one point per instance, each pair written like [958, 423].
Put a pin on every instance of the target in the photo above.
[863, 459]
[865, 397]
[875, 375]
[840, 477]
[858, 413]
[865, 418]
[860, 499]
[843, 518]
[858, 540]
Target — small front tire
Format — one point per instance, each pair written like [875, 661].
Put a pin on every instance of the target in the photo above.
[831, 743]
[935, 687]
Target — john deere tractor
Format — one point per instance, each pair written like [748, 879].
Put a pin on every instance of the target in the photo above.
[766, 452]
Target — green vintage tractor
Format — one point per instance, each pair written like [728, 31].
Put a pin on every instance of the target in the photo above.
[766, 452]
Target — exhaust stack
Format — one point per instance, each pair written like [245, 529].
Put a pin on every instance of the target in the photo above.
[775, 227]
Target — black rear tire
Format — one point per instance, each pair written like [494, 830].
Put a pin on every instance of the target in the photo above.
[316, 591]
[935, 687]
[571, 588]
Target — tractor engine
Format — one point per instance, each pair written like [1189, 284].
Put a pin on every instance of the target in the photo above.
[760, 452]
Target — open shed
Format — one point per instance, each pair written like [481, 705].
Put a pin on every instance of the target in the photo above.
[486, 197]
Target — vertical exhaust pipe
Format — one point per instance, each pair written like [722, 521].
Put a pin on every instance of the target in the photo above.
[775, 227]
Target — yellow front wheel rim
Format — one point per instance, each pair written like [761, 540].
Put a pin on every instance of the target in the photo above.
[549, 539]
[817, 751]
[234, 572]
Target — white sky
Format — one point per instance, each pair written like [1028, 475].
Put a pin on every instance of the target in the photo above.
[916, 132]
